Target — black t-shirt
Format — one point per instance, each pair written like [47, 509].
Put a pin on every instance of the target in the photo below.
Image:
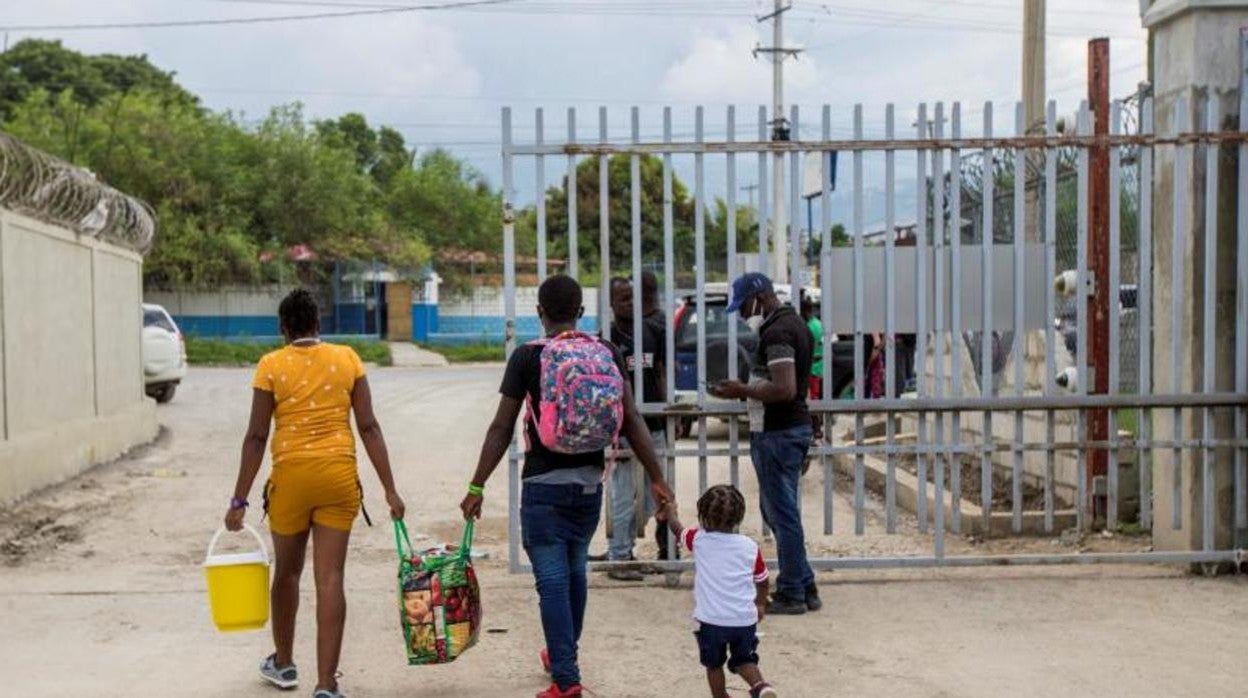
[784, 337]
[652, 358]
[522, 381]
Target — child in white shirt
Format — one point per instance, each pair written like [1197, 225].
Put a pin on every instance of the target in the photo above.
[730, 589]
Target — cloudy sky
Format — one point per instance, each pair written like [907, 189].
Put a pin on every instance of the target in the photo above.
[441, 77]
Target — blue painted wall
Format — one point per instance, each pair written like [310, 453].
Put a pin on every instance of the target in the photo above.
[425, 321]
[491, 329]
[228, 326]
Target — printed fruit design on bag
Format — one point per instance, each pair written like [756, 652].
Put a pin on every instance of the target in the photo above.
[440, 605]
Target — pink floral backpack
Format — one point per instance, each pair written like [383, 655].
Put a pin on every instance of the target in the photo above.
[582, 394]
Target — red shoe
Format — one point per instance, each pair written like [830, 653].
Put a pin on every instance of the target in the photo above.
[573, 691]
[545, 655]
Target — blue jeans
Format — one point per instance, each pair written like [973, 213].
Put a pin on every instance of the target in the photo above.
[778, 457]
[629, 476]
[557, 522]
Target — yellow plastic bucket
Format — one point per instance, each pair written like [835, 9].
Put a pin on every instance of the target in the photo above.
[238, 586]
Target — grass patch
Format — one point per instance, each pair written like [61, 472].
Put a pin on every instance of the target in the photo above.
[471, 353]
[218, 352]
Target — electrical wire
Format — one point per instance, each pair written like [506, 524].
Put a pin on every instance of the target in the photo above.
[459, 5]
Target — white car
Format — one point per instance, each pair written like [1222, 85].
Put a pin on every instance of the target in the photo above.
[164, 353]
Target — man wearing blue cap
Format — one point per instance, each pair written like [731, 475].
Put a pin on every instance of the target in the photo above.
[780, 431]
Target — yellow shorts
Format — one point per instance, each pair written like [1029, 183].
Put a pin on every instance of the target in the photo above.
[324, 492]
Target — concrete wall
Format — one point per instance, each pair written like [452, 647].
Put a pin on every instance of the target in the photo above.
[70, 347]
[1196, 54]
[231, 311]
[481, 315]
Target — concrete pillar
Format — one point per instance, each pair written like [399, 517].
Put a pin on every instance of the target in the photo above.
[1195, 54]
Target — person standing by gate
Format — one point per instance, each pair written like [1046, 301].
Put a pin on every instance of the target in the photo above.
[561, 494]
[625, 482]
[780, 436]
[811, 318]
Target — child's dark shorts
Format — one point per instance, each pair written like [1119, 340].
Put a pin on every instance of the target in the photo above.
[718, 644]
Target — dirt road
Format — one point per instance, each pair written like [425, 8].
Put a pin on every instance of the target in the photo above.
[101, 593]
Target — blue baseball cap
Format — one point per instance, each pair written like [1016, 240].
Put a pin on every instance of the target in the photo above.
[746, 287]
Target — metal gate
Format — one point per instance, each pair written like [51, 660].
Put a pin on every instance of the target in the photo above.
[979, 278]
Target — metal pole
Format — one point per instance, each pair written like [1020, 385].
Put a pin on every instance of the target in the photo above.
[509, 310]
[574, 267]
[778, 133]
[540, 193]
[1034, 52]
[1098, 260]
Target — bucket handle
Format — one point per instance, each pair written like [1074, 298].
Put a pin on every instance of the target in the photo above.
[259, 541]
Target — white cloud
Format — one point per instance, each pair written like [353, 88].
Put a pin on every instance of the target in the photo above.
[720, 68]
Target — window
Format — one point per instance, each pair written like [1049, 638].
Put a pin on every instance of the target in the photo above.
[155, 317]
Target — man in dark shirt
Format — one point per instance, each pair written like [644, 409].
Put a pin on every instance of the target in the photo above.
[780, 431]
[626, 480]
[561, 494]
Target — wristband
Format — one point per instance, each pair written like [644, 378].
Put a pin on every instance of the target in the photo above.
[477, 490]
[238, 503]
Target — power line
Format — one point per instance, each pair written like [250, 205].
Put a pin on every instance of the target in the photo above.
[461, 4]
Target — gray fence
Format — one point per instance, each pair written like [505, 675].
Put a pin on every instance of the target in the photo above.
[949, 288]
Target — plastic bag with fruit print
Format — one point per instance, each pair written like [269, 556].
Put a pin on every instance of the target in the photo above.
[439, 599]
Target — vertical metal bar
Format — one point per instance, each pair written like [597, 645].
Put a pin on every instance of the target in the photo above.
[920, 305]
[986, 324]
[1115, 330]
[956, 345]
[890, 316]
[1081, 351]
[825, 311]
[796, 266]
[634, 180]
[1050, 312]
[1241, 299]
[1020, 337]
[574, 257]
[734, 425]
[860, 518]
[1144, 302]
[604, 227]
[1182, 170]
[699, 231]
[540, 192]
[938, 236]
[509, 309]
[764, 215]
[1213, 124]
[669, 271]
[669, 290]
[1101, 296]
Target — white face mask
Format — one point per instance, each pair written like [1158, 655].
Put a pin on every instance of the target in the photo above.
[755, 323]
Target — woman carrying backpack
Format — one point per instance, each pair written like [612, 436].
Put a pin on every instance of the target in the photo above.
[578, 403]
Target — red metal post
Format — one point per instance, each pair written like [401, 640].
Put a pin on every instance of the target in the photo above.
[1098, 263]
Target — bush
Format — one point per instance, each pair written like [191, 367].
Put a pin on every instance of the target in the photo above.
[471, 353]
[220, 352]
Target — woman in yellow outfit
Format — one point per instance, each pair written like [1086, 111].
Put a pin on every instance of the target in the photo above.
[309, 389]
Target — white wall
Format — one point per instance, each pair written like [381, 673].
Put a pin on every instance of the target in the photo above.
[70, 348]
[488, 301]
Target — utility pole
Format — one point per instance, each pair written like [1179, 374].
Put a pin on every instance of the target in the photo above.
[1033, 102]
[750, 189]
[779, 132]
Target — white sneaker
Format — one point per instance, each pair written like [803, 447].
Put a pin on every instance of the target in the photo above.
[285, 678]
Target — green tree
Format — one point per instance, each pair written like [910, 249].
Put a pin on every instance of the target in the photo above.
[619, 215]
[34, 64]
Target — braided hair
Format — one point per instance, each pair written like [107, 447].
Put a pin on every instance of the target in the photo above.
[299, 314]
[721, 509]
